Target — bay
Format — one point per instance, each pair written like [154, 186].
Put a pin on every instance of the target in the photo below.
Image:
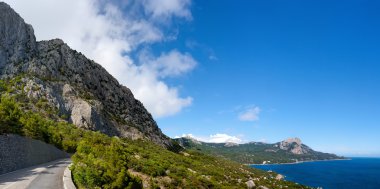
[355, 173]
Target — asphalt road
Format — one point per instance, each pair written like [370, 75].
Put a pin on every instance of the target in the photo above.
[48, 175]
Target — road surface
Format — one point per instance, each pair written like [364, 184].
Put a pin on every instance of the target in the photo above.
[44, 176]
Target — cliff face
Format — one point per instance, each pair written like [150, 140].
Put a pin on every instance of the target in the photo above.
[80, 90]
[17, 41]
[294, 145]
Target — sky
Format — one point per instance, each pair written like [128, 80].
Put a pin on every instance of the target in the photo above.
[223, 71]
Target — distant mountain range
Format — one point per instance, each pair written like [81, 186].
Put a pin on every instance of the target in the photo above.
[288, 151]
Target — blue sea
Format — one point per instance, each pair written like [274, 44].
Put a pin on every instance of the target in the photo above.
[356, 173]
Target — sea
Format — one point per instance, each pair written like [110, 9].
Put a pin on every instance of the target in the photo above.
[355, 173]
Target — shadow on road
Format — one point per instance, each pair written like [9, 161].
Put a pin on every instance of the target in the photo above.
[27, 173]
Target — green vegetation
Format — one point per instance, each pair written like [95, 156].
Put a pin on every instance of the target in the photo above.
[97, 163]
[100, 161]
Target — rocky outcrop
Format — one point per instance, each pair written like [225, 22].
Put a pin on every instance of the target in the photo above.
[279, 177]
[286, 144]
[187, 140]
[18, 152]
[81, 91]
[17, 41]
[294, 145]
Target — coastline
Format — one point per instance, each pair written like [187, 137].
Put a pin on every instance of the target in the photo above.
[290, 163]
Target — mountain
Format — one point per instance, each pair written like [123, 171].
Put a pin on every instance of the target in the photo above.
[288, 151]
[79, 90]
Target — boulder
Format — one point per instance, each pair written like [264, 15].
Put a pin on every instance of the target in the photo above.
[250, 184]
[279, 177]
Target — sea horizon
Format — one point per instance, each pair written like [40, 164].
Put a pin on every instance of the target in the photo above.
[356, 172]
[346, 158]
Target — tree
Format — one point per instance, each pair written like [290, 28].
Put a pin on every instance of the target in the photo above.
[9, 116]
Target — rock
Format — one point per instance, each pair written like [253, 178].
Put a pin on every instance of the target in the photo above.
[193, 139]
[187, 140]
[250, 184]
[294, 145]
[81, 114]
[77, 87]
[17, 40]
[286, 144]
[279, 177]
[167, 172]
[192, 171]
[208, 177]
[186, 154]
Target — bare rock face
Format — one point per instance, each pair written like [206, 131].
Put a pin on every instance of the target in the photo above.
[230, 144]
[81, 114]
[294, 145]
[286, 144]
[187, 140]
[17, 40]
[82, 91]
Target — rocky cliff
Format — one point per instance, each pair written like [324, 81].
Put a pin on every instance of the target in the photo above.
[294, 145]
[17, 41]
[77, 89]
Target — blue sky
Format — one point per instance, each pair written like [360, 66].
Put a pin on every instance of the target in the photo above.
[311, 67]
[243, 70]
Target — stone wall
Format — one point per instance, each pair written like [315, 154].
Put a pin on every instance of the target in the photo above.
[18, 152]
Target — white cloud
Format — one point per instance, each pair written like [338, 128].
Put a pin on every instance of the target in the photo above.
[188, 136]
[101, 31]
[250, 114]
[217, 138]
[221, 138]
[169, 64]
[167, 8]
